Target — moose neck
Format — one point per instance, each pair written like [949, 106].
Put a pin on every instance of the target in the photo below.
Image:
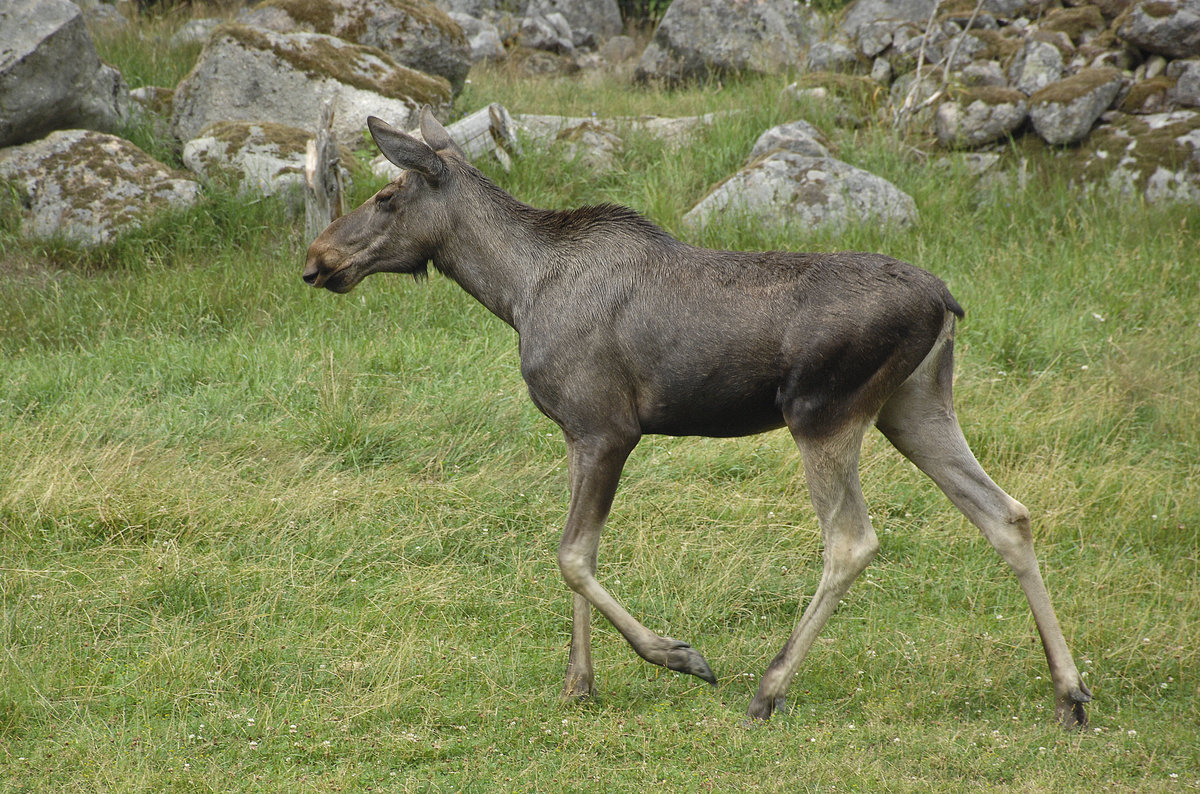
[494, 249]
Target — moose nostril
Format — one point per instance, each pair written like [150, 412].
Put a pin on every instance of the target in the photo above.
[310, 278]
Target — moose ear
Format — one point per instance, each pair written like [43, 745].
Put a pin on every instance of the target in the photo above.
[436, 135]
[405, 151]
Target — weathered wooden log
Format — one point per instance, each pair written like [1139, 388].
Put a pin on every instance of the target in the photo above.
[489, 131]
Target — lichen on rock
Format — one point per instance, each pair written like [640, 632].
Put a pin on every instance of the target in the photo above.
[90, 186]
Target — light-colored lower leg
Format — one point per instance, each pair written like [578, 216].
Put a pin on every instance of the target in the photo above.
[595, 472]
[831, 468]
[920, 422]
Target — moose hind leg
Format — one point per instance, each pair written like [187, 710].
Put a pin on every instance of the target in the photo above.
[919, 420]
[831, 469]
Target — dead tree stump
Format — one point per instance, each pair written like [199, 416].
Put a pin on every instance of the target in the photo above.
[323, 199]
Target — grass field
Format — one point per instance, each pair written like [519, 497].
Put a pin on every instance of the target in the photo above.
[256, 537]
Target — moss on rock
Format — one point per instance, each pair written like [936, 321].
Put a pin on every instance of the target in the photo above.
[1148, 95]
[1073, 21]
[1076, 86]
[321, 56]
[987, 94]
[1132, 150]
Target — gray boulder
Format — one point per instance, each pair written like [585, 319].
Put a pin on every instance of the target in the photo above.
[697, 39]
[977, 116]
[863, 12]
[90, 186]
[195, 30]
[482, 37]
[50, 74]
[983, 72]
[547, 32]
[415, 33]
[875, 36]
[546, 131]
[1064, 112]
[1168, 27]
[789, 188]
[832, 56]
[252, 74]
[262, 157]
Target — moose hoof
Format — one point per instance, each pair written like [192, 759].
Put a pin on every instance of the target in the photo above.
[578, 689]
[1070, 711]
[683, 658]
[761, 709]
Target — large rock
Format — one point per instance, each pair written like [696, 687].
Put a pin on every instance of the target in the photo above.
[90, 186]
[832, 56]
[1064, 112]
[415, 33]
[862, 12]
[50, 75]
[697, 39]
[253, 74]
[1156, 156]
[977, 116]
[789, 188]
[483, 38]
[1168, 27]
[262, 157]
[550, 32]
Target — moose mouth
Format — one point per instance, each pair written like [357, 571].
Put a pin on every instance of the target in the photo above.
[339, 281]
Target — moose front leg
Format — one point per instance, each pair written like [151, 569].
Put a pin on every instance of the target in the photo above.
[595, 469]
[580, 682]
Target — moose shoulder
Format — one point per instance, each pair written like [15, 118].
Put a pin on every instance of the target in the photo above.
[626, 331]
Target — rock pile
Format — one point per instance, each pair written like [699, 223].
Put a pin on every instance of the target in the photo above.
[1075, 73]
[1113, 83]
[246, 110]
[251, 102]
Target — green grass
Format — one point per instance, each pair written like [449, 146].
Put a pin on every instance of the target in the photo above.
[255, 537]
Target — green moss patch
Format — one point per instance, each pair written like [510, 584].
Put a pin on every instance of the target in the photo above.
[1146, 93]
[1073, 21]
[1136, 147]
[988, 94]
[1076, 86]
[998, 46]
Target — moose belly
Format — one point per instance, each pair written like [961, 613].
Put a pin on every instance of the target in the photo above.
[710, 409]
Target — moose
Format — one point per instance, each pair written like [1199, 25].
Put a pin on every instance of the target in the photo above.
[626, 331]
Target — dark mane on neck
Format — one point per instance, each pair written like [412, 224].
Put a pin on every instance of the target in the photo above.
[574, 224]
[584, 221]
